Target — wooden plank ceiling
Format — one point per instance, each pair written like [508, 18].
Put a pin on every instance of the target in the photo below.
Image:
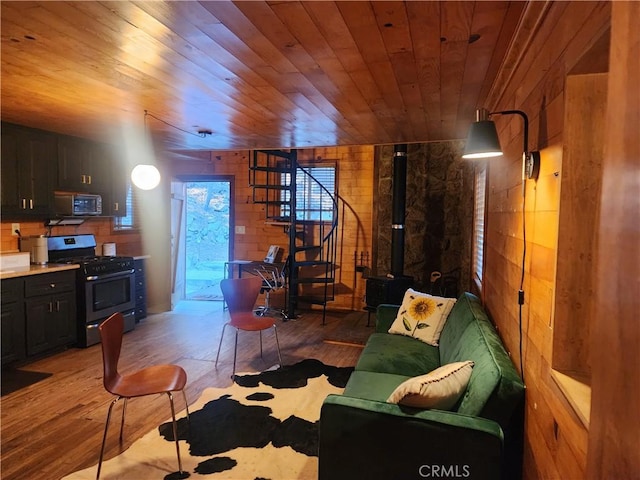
[275, 74]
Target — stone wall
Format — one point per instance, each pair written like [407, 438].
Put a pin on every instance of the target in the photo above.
[439, 213]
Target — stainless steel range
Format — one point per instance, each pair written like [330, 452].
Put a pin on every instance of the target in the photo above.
[105, 285]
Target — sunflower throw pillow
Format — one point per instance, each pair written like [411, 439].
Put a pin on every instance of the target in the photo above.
[422, 316]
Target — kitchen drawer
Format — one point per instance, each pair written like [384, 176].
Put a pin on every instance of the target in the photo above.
[12, 290]
[46, 284]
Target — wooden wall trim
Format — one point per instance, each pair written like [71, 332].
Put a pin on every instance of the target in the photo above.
[585, 114]
[533, 16]
[614, 435]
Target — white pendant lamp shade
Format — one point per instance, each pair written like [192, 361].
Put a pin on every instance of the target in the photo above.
[145, 177]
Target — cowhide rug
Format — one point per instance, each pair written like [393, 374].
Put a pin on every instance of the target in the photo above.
[264, 426]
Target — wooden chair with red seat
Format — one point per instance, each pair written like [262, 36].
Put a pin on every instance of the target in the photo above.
[241, 294]
[148, 381]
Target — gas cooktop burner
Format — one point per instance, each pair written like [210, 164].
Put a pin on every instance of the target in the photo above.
[88, 259]
[97, 265]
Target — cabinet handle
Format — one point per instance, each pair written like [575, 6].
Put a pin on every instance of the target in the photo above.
[83, 179]
[52, 285]
[57, 305]
[116, 207]
[50, 307]
[89, 179]
[31, 204]
[24, 203]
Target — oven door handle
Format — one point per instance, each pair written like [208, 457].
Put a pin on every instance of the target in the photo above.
[122, 273]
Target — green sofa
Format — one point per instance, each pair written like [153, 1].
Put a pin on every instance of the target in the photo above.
[363, 436]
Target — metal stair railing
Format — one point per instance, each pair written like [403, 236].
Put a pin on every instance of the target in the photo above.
[267, 177]
[326, 249]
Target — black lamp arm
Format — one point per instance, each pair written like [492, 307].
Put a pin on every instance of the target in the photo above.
[531, 164]
[526, 125]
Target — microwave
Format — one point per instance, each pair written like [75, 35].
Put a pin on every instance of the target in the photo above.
[79, 204]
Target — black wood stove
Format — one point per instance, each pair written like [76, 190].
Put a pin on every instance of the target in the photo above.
[391, 287]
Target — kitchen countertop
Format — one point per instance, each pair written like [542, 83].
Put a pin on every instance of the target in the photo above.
[16, 272]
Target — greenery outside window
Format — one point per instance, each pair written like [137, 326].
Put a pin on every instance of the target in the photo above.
[313, 202]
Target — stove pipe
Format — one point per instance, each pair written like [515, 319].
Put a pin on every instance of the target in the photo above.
[398, 209]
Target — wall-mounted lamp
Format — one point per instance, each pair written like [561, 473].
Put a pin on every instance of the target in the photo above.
[145, 177]
[483, 142]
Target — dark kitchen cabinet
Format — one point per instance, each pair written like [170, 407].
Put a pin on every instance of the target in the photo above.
[35, 163]
[50, 311]
[28, 170]
[84, 166]
[117, 207]
[12, 321]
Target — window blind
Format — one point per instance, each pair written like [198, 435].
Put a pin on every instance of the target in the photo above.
[478, 222]
[312, 201]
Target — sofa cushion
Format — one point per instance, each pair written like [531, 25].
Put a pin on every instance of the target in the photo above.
[385, 316]
[466, 310]
[422, 316]
[439, 389]
[398, 355]
[372, 386]
[494, 388]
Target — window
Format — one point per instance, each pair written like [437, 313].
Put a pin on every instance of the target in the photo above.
[128, 222]
[478, 223]
[315, 193]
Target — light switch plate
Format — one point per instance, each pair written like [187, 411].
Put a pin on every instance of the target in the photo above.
[240, 229]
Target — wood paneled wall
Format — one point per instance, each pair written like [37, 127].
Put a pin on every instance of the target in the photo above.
[355, 187]
[556, 39]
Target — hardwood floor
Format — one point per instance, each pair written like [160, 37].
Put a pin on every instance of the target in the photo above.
[54, 427]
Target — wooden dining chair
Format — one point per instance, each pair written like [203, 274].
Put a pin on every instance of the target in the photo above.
[148, 381]
[241, 294]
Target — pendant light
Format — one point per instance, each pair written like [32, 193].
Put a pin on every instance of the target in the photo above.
[145, 177]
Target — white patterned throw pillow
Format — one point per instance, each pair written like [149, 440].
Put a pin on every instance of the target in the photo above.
[422, 316]
[439, 389]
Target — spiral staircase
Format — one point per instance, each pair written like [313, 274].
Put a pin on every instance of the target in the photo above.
[310, 220]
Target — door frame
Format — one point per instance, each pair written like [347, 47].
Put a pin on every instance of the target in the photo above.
[213, 178]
